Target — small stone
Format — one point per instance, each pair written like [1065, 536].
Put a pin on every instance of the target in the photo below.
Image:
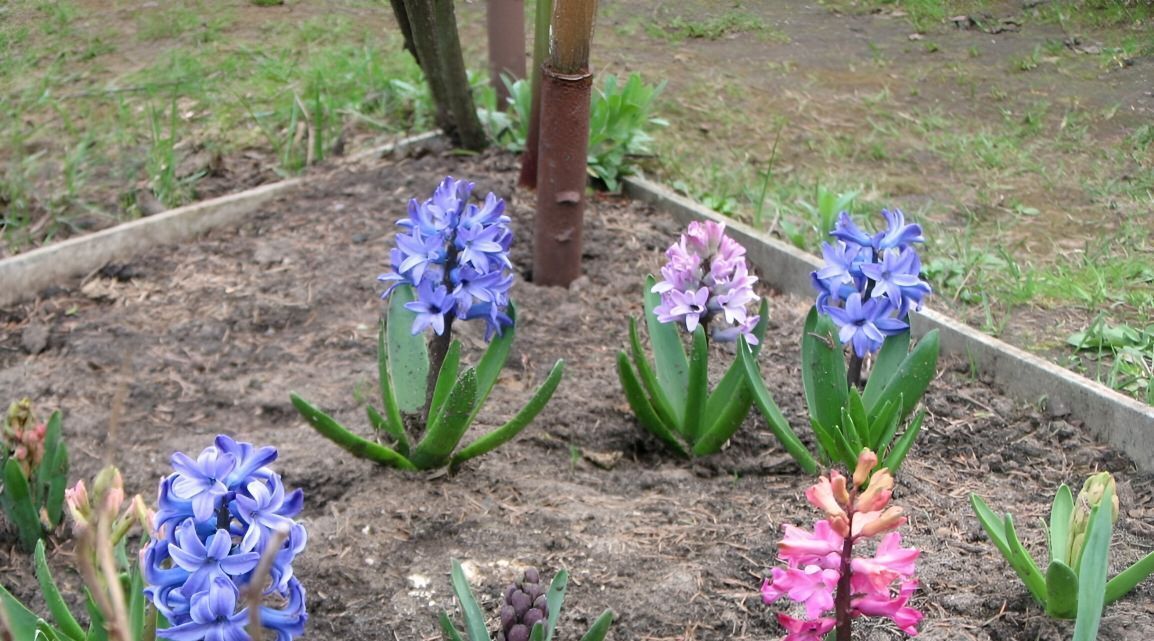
[1056, 407]
[34, 338]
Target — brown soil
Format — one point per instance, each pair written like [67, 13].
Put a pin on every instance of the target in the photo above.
[188, 341]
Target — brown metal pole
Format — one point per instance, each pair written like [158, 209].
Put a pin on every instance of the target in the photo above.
[506, 21]
[561, 176]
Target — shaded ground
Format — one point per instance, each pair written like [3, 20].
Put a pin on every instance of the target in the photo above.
[211, 336]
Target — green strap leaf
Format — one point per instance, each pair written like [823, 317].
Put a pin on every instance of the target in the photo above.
[474, 618]
[493, 361]
[898, 452]
[698, 387]
[913, 376]
[1120, 586]
[657, 398]
[856, 412]
[394, 423]
[18, 504]
[66, 623]
[1005, 538]
[21, 620]
[823, 371]
[408, 355]
[771, 412]
[600, 627]
[1092, 569]
[728, 420]
[890, 356]
[445, 432]
[554, 599]
[642, 409]
[668, 352]
[830, 451]
[357, 446]
[1024, 565]
[447, 627]
[886, 424]
[446, 378]
[52, 473]
[396, 432]
[515, 425]
[1061, 591]
[1060, 513]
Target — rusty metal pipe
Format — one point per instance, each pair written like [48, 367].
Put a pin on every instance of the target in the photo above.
[561, 176]
[506, 24]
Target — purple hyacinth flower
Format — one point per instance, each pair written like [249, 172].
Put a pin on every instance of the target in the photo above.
[202, 480]
[213, 616]
[249, 459]
[897, 233]
[865, 325]
[207, 560]
[897, 278]
[419, 253]
[845, 229]
[431, 306]
[480, 247]
[689, 306]
[266, 511]
[288, 620]
[841, 263]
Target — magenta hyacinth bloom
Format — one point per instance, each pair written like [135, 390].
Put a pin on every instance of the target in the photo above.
[706, 282]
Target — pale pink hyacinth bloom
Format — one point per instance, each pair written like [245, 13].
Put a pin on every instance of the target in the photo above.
[822, 566]
[706, 282]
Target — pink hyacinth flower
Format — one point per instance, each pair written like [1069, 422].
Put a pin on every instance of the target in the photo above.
[802, 630]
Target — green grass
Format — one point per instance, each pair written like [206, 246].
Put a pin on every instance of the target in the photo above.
[84, 129]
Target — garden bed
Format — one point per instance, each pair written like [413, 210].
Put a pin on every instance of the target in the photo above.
[187, 341]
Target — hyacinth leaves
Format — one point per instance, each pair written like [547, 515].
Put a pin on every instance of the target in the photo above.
[23, 623]
[1074, 585]
[32, 491]
[670, 396]
[456, 399]
[846, 421]
[476, 628]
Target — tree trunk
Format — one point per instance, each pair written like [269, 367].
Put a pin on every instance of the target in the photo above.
[528, 177]
[506, 24]
[430, 31]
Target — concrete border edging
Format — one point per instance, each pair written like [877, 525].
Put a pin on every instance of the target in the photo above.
[24, 275]
[1110, 416]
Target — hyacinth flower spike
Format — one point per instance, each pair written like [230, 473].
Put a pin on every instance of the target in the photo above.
[1074, 584]
[707, 291]
[450, 264]
[197, 566]
[865, 291]
[826, 572]
[529, 612]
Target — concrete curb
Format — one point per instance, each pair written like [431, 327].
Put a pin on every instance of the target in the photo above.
[1110, 416]
[23, 276]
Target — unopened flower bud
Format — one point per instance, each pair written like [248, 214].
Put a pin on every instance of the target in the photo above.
[887, 521]
[1093, 490]
[875, 497]
[521, 603]
[76, 498]
[532, 616]
[106, 479]
[823, 496]
[865, 464]
[519, 632]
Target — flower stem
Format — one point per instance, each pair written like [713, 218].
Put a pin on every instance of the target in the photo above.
[438, 347]
[853, 375]
[841, 603]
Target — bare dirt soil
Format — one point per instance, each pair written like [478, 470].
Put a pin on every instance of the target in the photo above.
[168, 349]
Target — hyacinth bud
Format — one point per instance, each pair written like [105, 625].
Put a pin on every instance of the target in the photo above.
[865, 464]
[79, 506]
[1088, 498]
[877, 494]
[524, 606]
[825, 497]
[19, 415]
